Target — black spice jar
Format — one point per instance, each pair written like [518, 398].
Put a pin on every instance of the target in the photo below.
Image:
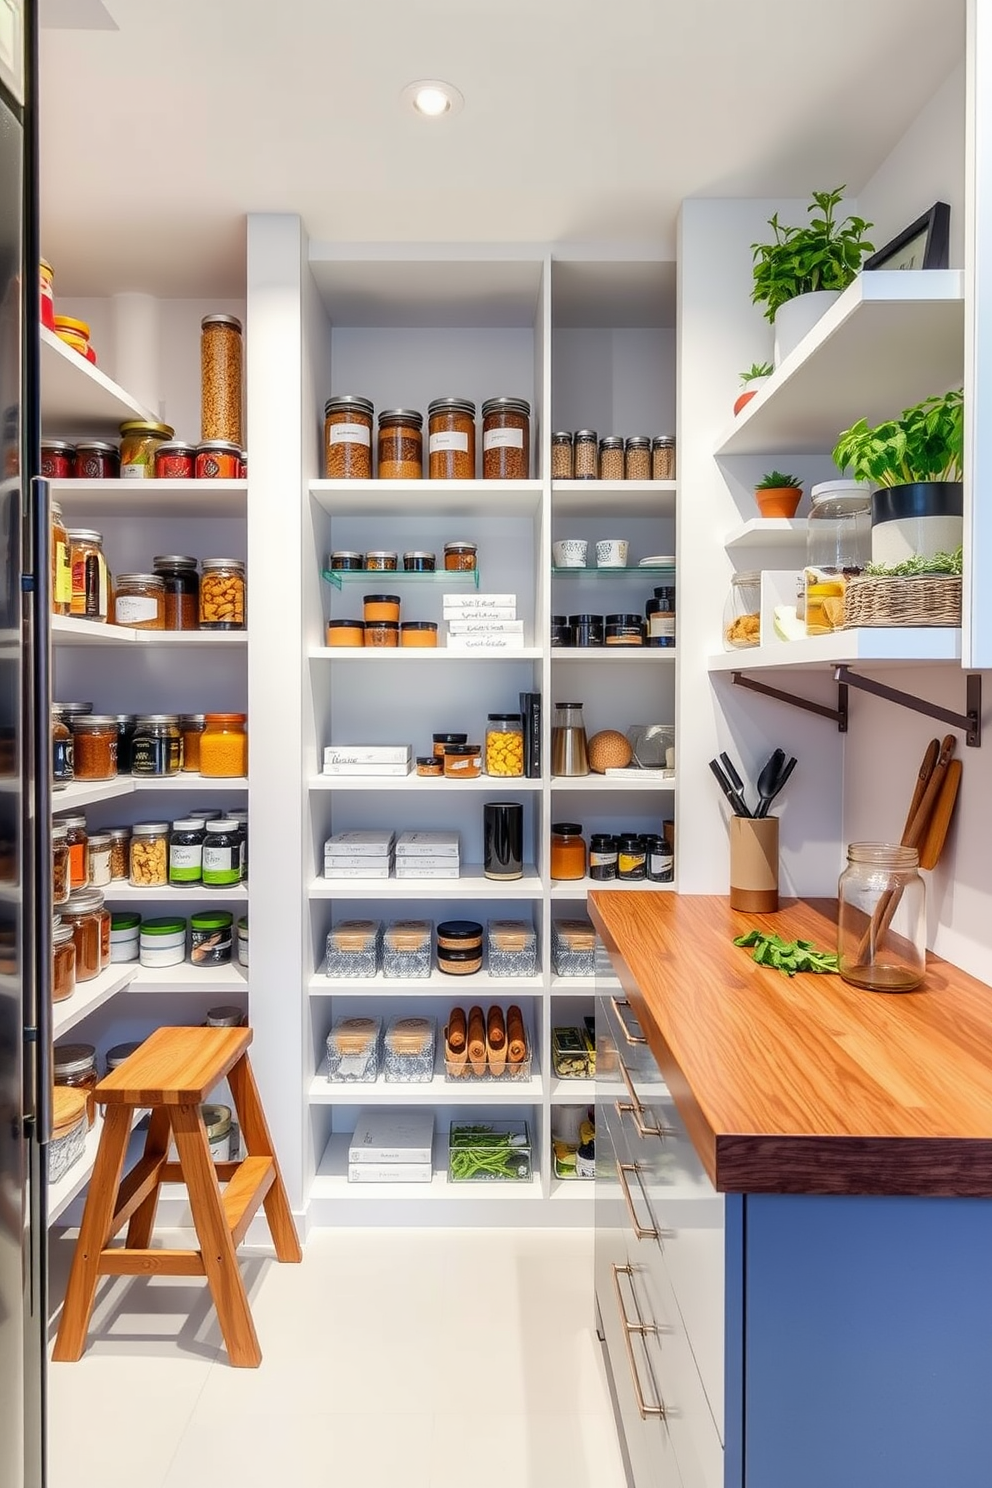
[624, 630]
[561, 631]
[587, 630]
[631, 857]
[459, 947]
[659, 859]
[602, 856]
[503, 839]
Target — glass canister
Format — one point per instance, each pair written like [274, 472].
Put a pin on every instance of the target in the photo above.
[881, 918]
[742, 612]
[157, 745]
[569, 755]
[222, 594]
[149, 868]
[506, 439]
[76, 838]
[58, 459]
[126, 724]
[139, 601]
[451, 439]
[82, 912]
[90, 579]
[97, 459]
[505, 744]
[60, 863]
[191, 726]
[218, 459]
[568, 851]
[348, 438]
[637, 458]
[140, 439]
[186, 851]
[401, 444]
[221, 393]
[120, 854]
[562, 460]
[62, 753]
[61, 564]
[838, 545]
[63, 961]
[181, 587]
[586, 454]
[98, 859]
[175, 460]
[224, 745]
[75, 1065]
[663, 457]
[611, 458]
[222, 853]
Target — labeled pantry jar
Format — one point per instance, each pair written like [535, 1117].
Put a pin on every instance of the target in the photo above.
[94, 747]
[222, 854]
[157, 748]
[162, 941]
[348, 438]
[139, 601]
[140, 440]
[506, 439]
[218, 459]
[451, 439]
[186, 851]
[181, 590]
[881, 918]
[149, 855]
[61, 564]
[401, 444]
[97, 459]
[98, 859]
[90, 579]
[62, 771]
[221, 394]
[222, 594]
[224, 746]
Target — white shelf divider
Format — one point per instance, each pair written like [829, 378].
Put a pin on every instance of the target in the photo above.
[438, 984]
[160, 899]
[471, 884]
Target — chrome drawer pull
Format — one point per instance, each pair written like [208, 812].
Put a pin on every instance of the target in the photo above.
[640, 1231]
[656, 1412]
[632, 1038]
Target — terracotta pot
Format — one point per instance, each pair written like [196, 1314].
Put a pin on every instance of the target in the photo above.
[744, 398]
[778, 501]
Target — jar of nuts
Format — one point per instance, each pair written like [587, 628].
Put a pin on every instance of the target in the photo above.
[149, 855]
[221, 362]
[222, 594]
[505, 744]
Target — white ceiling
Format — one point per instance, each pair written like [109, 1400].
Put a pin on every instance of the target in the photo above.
[583, 122]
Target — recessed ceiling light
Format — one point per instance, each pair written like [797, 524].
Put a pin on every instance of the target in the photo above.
[432, 99]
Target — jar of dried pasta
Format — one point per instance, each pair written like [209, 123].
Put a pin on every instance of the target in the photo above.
[140, 439]
[222, 594]
[149, 867]
[506, 439]
[451, 439]
[221, 362]
[224, 746]
[401, 444]
[348, 438]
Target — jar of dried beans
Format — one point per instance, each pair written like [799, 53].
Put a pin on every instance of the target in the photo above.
[181, 586]
[221, 360]
[586, 455]
[224, 746]
[663, 457]
[562, 464]
[637, 465]
[401, 444]
[451, 439]
[348, 438]
[222, 594]
[506, 439]
[611, 457]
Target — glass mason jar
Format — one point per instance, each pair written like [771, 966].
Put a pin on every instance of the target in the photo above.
[637, 458]
[175, 460]
[191, 726]
[139, 601]
[562, 461]
[348, 438]
[181, 584]
[221, 394]
[742, 612]
[97, 459]
[224, 746]
[90, 579]
[451, 439]
[505, 744]
[186, 851]
[63, 962]
[62, 753]
[140, 440]
[838, 545]
[149, 867]
[222, 854]
[61, 565]
[611, 457]
[157, 745]
[881, 919]
[75, 1065]
[506, 439]
[60, 863]
[663, 457]
[586, 454]
[83, 913]
[120, 854]
[94, 747]
[401, 444]
[218, 459]
[222, 594]
[58, 459]
[126, 724]
[568, 851]
[98, 859]
[77, 837]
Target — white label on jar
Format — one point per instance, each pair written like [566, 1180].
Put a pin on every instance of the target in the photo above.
[449, 441]
[661, 625]
[503, 439]
[131, 609]
[185, 857]
[348, 434]
[135, 472]
[219, 860]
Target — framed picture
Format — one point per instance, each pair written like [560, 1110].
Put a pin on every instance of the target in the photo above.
[921, 245]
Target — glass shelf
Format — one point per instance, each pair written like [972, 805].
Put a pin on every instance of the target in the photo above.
[636, 571]
[341, 576]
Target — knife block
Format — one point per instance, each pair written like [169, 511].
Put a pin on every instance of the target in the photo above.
[754, 864]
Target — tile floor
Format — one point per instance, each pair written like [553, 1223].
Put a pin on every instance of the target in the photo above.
[392, 1359]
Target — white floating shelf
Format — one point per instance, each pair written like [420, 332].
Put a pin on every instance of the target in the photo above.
[151, 498]
[573, 1191]
[331, 1181]
[70, 630]
[768, 532]
[580, 887]
[472, 884]
[585, 655]
[76, 397]
[439, 1092]
[610, 783]
[190, 780]
[88, 996]
[577, 498]
[132, 977]
[85, 792]
[427, 498]
[883, 646]
[416, 782]
[165, 896]
[438, 984]
[892, 338]
[414, 654]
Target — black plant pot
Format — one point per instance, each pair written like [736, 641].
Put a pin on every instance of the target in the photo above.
[914, 502]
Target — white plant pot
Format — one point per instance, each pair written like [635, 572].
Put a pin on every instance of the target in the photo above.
[796, 318]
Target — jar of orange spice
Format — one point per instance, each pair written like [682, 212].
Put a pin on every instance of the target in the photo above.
[224, 745]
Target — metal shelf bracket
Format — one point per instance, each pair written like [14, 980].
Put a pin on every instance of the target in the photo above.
[836, 715]
[969, 722]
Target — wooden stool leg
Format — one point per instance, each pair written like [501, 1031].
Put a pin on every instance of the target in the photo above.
[139, 1231]
[94, 1231]
[220, 1261]
[255, 1130]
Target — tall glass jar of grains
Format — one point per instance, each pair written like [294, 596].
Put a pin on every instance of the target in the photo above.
[638, 458]
[221, 357]
[506, 439]
[451, 439]
[401, 444]
[663, 457]
[611, 457]
[348, 437]
[586, 454]
[224, 746]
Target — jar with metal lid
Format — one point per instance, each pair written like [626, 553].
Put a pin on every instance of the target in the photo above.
[460, 557]
[505, 744]
[586, 454]
[631, 857]
[98, 859]
[60, 863]
[58, 459]
[221, 392]
[77, 838]
[124, 937]
[379, 561]
[419, 561]
[624, 629]
[345, 561]
[211, 935]
[191, 726]
[243, 941]
[637, 458]
[602, 856]
[568, 851]
[881, 918]
[224, 745]
[61, 564]
[381, 607]
[218, 459]
[157, 745]
[562, 458]
[663, 457]
[140, 439]
[506, 439]
[611, 457]
[90, 578]
[348, 438]
[69, 711]
[116, 1056]
[186, 851]
[401, 444]
[742, 612]
[62, 753]
[219, 1126]
[63, 961]
[83, 912]
[462, 761]
[222, 854]
[126, 723]
[75, 1065]
[120, 854]
[139, 601]
[451, 439]
[440, 741]
[175, 460]
[162, 941]
[149, 865]
[659, 859]
[181, 586]
[97, 459]
[222, 594]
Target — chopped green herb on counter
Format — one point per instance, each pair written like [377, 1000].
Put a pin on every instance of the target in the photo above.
[786, 956]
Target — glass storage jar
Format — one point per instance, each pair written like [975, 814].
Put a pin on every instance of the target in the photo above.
[881, 918]
[568, 851]
[218, 459]
[586, 454]
[451, 439]
[140, 439]
[63, 961]
[98, 859]
[186, 851]
[83, 913]
[660, 613]
[222, 854]
[379, 561]
[505, 744]
[61, 564]
[75, 1065]
[663, 457]
[62, 753]
[241, 818]
[97, 459]
[120, 853]
[58, 459]
[838, 545]
[221, 392]
[224, 746]
[90, 578]
[175, 460]
[460, 557]
[60, 863]
[462, 761]
[157, 745]
[611, 457]
[126, 724]
[441, 741]
[401, 444]
[77, 838]
[191, 726]
[346, 561]
[222, 594]
[149, 864]
[742, 612]
[506, 439]
[181, 586]
[382, 633]
[139, 601]
[348, 438]
[637, 458]
[562, 460]
[418, 560]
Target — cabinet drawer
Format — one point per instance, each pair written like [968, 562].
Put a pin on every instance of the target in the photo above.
[632, 1349]
[619, 1035]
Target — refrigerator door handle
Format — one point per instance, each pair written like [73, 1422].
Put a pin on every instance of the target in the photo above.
[36, 610]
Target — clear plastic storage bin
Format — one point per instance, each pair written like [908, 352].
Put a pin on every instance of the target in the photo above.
[492, 1151]
[573, 947]
[409, 1051]
[512, 947]
[353, 949]
[353, 1050]
[406, 949]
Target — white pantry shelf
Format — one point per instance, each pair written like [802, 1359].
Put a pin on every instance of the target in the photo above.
[331, 1181]
[579, 887]
[130, 976]
[85, 792]
[587, 655]
[767, 532]
[165, 895]
[70, 630]
[610, 783]
[416, 654]
[77, 398]
[438, 1092]
[415, 782]
[88, 996]
[897, 646]
[117, 499]
[572, 1092]
[438, 984]
[575, 986]
[471, 884]
[427, 498]
[579, 498]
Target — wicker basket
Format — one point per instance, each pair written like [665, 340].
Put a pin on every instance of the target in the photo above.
[929, 599]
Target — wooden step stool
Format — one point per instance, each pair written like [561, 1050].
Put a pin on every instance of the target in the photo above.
[173, 1072]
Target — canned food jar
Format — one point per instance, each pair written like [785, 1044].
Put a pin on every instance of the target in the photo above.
[611, 457]
[124, 937]
[346, 562]
[224, 746]
[222, 854]
[63, 962]
[243, 941]
[191, 726]
[181, 587]
[505, 744]
[221, 392]
[663, 457]
[382, 633]
[90, 578]
[186, 851]
[418, 633]
[419, 562]
[218, 459]
[157, 745]
[149, 866]
[120, 854]
[562, 456]
[62, 751]
[637, 458]
[348, 438]
[451, 439]
[586, 454]
[117, 1055]
[139, 601]
[94, 747]
[60, 863]
[162, 941]
[211, 938]
[58, 459]
[506, 439]
[97, 459]
[76, 838]
[140, 439]
[568, 851]
[83, 913]
[75, 1065]
[222, 594]
[46, 292]
[401, 444]
[381, 607]
[460, 557]
[441, 741]
[98, 859]
[346, 632]
[175, 460]
[462, 761]
[381, 562]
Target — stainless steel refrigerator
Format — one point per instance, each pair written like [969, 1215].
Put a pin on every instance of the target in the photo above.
[25, 895]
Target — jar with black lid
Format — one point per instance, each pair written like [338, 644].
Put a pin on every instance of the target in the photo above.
[587, 630]
[401, 444]
[586, 447]
[186, 851]
[451, 439]
[631, 857]
[222, 854]
[602, 856]
[62, 771]
[182, 590]
[624, 630]
[659, 858]
[561, 631]
[126, 724]
[440, 740]
[75, 1065]
[157, 746]
[660, 614]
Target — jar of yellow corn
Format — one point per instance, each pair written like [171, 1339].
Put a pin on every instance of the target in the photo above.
[505, 744]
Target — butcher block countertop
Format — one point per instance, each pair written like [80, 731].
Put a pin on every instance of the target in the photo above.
[805, 1085]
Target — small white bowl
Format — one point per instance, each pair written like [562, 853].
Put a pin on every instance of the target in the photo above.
[611, 552]
[570, 552]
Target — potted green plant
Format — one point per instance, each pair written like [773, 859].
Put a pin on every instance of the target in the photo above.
[799, 274]
[915, 463]
[750, 380]
[778, 495]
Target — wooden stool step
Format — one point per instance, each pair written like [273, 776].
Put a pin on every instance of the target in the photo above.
[172, 1073]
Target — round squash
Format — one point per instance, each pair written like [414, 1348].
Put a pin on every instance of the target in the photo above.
[609, 750]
